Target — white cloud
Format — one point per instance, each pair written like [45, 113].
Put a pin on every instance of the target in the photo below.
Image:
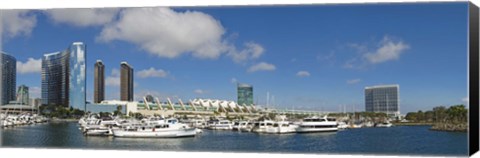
[263, 66]
[465, 100]
[251, 51]
[83, 17]
[152, 72]
[303, 73]
[17, 22]
[199, 91]
[167, 33]
[114, 79]
[30, 66]
[354, 81]
[388, 50]
[35, 92]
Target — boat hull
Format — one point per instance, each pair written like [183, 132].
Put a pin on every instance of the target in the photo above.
[313, 130]
[156, 134]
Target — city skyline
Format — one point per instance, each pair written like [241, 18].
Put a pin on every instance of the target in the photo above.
[305, 56]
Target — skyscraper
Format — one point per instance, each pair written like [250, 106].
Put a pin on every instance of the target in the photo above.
[63, 77]
[22, 95]
[382, 98]
[55, 81]
[77, 88]
[126, 82]
[244, 94]
[99, 82]
[8, 71]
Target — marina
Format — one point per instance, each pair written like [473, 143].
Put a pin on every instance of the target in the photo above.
[403, 140]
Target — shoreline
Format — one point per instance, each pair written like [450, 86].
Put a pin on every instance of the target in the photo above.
[412, 124]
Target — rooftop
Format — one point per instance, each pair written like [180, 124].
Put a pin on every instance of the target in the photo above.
[382, 86]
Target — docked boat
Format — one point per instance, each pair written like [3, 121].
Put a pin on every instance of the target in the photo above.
[220, 125]
[384, 124]
[170, 129]
[261, 126]
[239, 125]
[342, 125]
[368, 124]
[316, 124]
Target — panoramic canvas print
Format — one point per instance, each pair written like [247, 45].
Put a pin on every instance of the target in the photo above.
[383, 79]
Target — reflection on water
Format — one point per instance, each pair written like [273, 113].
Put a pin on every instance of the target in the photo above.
[416, 140]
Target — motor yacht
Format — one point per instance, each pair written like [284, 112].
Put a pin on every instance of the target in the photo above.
[316, 124]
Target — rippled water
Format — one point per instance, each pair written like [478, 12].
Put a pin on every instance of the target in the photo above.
[403, 140]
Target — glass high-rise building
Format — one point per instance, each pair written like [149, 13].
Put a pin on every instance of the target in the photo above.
[22, 95]
[244, 94]
[99, 82]
[126, 82]
[77, 88]
[63, 77]
[8, 80]
[383, 98]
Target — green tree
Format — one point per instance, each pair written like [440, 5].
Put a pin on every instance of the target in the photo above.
[411, 116]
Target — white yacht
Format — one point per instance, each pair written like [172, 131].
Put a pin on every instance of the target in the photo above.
[342, 125]
[237, 125]
[170, 129]
[282, 127]
[261, 126]
[316, 124]
[384, 124]
[220, 125]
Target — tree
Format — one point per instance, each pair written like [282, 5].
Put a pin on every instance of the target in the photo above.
[440, 114]
[411, 116]
[118, 111]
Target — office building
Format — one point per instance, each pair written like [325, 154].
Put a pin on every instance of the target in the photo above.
[22, 95]
[244, 94]
[126, 82]
[8, 71]
[99, 82]
[383, 98]
[63, 77]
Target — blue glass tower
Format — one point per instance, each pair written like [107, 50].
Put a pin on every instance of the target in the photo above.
[77, 93]
[63, 77]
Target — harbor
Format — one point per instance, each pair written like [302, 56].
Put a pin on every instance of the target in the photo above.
[396, 140]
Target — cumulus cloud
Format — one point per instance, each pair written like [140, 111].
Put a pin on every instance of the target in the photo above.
[251, 51]
[167, 33]
[354, 81]
[465, 100]
[152, 72]
[83, 17]
[262, 66]
[303, 73]
[114, 79]
[16, 23]
[199, 91]
[35, 92]
[388, 50]
[30, 66]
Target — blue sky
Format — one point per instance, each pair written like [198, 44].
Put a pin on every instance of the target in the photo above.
[308, 57]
